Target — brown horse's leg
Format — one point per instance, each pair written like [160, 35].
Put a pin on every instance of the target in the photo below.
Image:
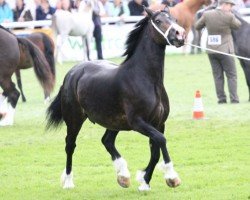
[12, 95]
[19, 84]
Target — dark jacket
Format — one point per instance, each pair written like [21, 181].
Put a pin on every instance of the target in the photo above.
[219, 25]
[136, 9]
[41, 15]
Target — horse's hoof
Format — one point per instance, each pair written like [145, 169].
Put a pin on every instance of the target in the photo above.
[67, 180]
[173, 182]
[123, 181]
[144, 187]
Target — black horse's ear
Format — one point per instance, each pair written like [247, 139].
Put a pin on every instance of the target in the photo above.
[166, 9]
[148, 11]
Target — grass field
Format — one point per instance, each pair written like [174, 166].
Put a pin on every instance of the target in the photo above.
[211, 156]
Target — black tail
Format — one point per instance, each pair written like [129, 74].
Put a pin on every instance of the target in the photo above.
[54, 113]
[49, 48]
[41, 66]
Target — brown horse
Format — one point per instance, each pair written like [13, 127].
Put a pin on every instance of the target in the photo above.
[46, 45]
[9, 61]
[184, 12]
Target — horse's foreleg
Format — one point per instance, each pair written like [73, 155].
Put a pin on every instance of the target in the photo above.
[86, 49]
[159, 140]
[120, 164]
[19, 84]
[59, 44]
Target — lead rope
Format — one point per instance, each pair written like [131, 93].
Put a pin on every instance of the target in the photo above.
[219, 52]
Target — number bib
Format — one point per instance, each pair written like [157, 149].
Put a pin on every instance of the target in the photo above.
[214, 40]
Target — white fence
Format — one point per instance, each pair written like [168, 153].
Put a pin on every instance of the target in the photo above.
[114, 37]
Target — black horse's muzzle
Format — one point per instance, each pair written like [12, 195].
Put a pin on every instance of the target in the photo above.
[177, 36]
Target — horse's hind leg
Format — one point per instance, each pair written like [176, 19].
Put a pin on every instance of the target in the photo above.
[12, 95]
[19, 84]
[46, 97]
[144, 177]
[74, 119]
[123, 175]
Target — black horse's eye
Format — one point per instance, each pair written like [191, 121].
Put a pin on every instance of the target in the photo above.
[157, 21]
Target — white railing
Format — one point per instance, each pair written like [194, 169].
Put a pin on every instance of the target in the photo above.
[47, 23]
[114, 36]
[106, 20]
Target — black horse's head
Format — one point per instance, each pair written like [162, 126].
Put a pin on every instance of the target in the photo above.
[165, 29]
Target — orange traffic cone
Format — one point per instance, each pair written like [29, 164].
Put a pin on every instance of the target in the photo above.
[198, 111]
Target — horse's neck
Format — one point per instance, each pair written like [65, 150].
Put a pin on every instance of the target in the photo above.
[148, 57]
[86, 9]
[185, 12]
[193, 5]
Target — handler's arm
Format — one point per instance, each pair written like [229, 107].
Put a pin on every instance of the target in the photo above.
[235, 23]
[200, 23]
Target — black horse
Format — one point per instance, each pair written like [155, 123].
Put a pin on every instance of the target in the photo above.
[242, 47]
[126, 97]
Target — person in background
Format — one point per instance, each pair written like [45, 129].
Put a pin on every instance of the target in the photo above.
[108, 7]
[98, 12]
[136, 7]
[6, 14]
[219, 23]
[66, 5]
[120, 9]
[44, 11]
[20, 5]
[21, 12]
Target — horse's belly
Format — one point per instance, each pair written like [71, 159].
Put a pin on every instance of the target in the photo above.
[117, 122]
[106, 114]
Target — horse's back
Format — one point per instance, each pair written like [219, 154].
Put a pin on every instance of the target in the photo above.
[74, 24]
[9, 49]
[97, 90]
[92, 71]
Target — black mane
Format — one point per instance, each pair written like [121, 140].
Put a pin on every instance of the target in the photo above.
[239, 17]
[134, 37]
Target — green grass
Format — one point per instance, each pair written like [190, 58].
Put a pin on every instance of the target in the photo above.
[211, 156]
